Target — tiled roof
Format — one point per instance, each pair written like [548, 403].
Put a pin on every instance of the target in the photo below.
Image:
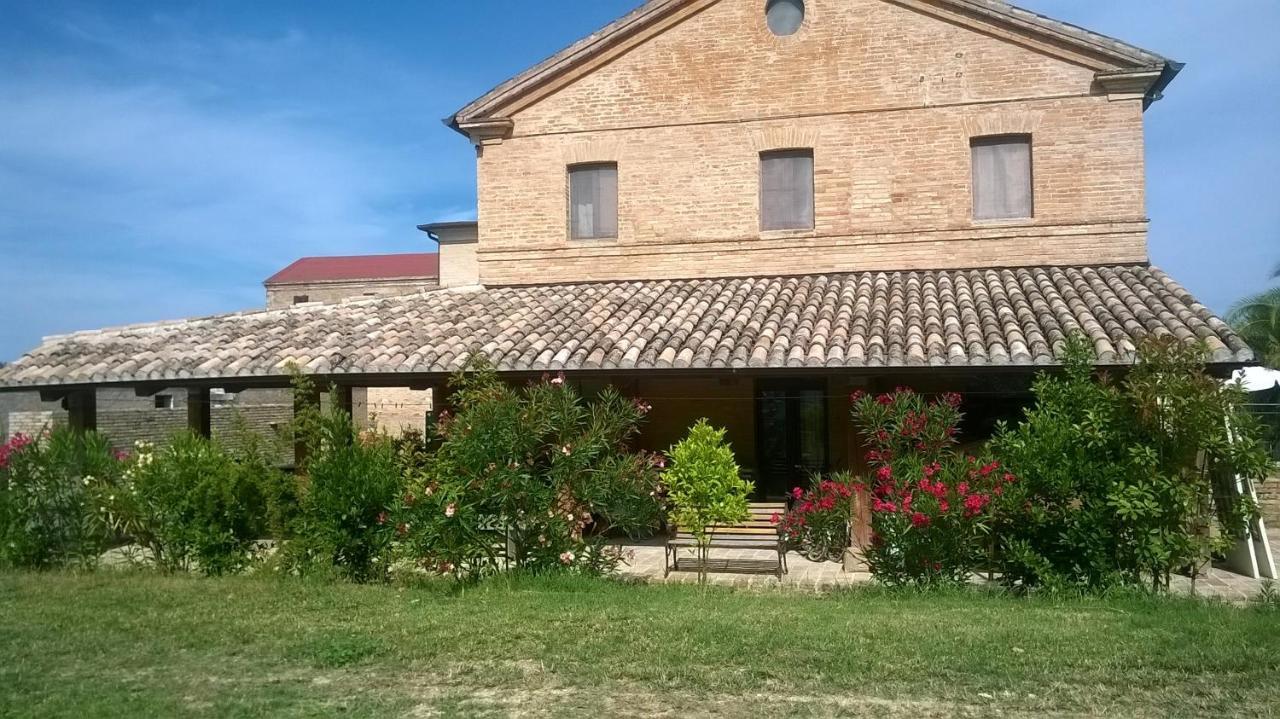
[954, 318]
[359, 267]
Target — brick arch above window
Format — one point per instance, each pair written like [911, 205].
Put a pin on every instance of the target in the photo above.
[783, 138]
[1002, 123]
[583, 153]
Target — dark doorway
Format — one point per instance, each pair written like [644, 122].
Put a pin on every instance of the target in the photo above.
[791, 434]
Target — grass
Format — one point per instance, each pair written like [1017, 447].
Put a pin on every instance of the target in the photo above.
[126, 644]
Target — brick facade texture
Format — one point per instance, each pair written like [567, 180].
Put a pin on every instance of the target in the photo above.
[888, 98]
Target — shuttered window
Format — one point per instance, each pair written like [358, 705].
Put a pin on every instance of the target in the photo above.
[1001, 177]
[786, 190]
[593, 201]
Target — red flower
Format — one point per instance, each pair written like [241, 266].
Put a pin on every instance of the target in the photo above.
[963, 488]
[943, 505]
[857, 396]
[884, 474]
[797, 493]
[884, 400]
[1009, 478]
[775, 518]
[919, 520]
[974, 504]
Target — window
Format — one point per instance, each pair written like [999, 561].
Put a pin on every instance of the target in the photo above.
[1001, 177]
[164, 401]
[784, 17]
[300, 299]
[593, 201]
[786, 190]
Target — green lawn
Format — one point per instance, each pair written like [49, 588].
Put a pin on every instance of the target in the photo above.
[141, 645]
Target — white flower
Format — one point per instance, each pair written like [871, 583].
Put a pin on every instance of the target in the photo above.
[450, 510]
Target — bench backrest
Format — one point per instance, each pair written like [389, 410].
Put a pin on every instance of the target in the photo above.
[759, 521]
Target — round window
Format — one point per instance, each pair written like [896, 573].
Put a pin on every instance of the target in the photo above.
[784, 16]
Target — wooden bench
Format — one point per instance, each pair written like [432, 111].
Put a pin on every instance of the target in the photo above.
[757, 532]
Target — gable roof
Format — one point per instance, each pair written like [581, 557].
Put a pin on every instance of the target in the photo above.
[1100, 52]
[856, 321]
[423, 265]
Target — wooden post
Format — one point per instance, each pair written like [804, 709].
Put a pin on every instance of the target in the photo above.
[82, 410]
[199, 412]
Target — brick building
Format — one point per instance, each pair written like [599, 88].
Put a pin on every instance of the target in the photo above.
[744, 210]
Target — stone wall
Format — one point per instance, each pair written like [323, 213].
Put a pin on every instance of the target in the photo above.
[888, 98]
[1269, 502]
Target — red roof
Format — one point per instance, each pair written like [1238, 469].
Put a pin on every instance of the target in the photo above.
[424, 265]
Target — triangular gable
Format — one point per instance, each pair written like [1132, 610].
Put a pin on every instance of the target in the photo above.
[1120, 67]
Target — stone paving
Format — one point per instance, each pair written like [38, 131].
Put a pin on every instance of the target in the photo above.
[751, 568]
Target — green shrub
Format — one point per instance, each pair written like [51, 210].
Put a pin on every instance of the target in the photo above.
[189, 504]
[526, 479]
[47, 518]
[350, 482]
[931, 504]
[1124, 482]
[704, 486]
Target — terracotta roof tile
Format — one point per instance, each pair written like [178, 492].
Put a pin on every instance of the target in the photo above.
[983, 317]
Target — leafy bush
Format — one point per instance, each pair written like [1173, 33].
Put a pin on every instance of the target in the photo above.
[1126, 481]
[46, 514]
[520, 477]
[704, 484]
[930, 504]
[350, 482]
[818, 523]
[188, 503]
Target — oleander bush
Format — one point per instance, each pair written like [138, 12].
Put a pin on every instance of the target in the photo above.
[818, 523]
[349, 483]
[526, 478]
[930, 503]
[1126, 482]
[47, 515]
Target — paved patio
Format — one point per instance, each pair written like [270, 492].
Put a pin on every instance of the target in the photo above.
[751, 568]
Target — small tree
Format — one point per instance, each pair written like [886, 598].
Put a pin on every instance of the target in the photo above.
[704, 486]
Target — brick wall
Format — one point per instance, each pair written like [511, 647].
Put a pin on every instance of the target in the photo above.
[887, 98]
[283, 295]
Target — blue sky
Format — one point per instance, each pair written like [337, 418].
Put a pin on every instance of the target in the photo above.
[160, 159]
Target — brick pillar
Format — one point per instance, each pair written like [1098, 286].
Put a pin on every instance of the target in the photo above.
[199, 412]
[82, 410]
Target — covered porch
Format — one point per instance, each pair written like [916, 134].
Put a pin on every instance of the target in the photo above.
[773, 360]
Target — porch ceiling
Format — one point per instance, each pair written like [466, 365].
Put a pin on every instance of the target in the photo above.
[951, 318]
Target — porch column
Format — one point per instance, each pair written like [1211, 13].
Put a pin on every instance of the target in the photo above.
[82, 410]
[199, 412]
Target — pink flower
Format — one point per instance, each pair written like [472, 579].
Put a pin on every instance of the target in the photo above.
[566, 558]
[944, 505]
[450, 510]
[797, 493]
[121, 455]
[884, 474]
[775, 518]
[642, 406]
[558, 380]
